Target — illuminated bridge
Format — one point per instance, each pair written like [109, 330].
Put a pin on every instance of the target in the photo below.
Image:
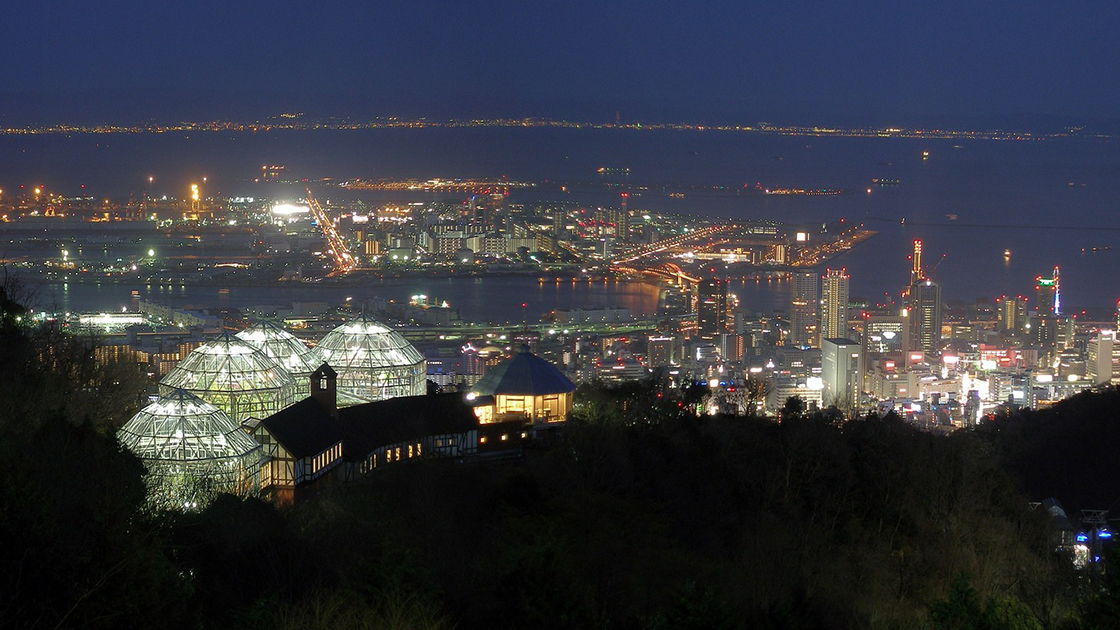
[344, 261]
[666, 271]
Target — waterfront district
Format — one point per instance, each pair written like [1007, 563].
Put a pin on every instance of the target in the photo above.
[942, 366]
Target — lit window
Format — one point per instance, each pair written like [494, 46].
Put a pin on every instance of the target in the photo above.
[505, 436]
[482, 440]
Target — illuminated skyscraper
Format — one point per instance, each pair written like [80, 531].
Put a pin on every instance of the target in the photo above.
[842, 373]
[886, 334]
[834, 304]
[1102, 364]
[559, 218]
[803, 302]
[1066, 334]
[1057, 292]
[1012, 314]
[1044, 330]
[622, 220]
[711, 309]
[1047, 298]
[925, 315]
[916, 266]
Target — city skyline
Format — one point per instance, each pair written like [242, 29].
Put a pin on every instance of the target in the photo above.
[498, 315]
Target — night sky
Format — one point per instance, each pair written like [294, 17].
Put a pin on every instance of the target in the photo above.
[795, 61]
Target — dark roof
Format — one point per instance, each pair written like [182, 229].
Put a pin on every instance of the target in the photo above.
[841, 341]
[324, 370]
[304, 429]
[370, 426]
[524, 374]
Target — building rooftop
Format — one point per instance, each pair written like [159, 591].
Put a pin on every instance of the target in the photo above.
[373, 425]
[281, 346]
[183, 427]
[227, 364]
[365, 343]
[307, 428]
[524, 374]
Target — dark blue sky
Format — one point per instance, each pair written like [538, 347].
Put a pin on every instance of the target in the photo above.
[791, 61]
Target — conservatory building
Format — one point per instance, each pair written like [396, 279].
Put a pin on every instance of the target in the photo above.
[233, 376]
[286, 349]
[191, 450]
[373, 361]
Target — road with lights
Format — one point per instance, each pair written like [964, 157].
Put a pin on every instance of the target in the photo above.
[344, 261]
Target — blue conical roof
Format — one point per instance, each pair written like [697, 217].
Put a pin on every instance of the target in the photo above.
[525, 374]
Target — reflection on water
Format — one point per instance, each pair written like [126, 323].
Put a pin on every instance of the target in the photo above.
[477, 299]
[969, 201]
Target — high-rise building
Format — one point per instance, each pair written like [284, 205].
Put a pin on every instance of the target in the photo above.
[559, 215]
[1044, 330]
[834, 304]
[1102, 364]
[803, 302]
[886, 334]
[1067, 332]
[732, 346]
[925, 315]
[842, 373]
[1047, 299]
[711, 309]
[1012, 314]
[659, 352]
[916, 263]
[622, 220]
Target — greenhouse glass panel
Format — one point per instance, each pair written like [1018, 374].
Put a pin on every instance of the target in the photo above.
[285, 349]
[235, 377]
[373, 361]
[192, 451]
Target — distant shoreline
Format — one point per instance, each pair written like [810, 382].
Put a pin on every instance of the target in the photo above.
[229, 126]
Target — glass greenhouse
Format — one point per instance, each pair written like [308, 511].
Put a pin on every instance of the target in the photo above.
[192, 450]
[373, 361]
[235, 377]
[287, 350]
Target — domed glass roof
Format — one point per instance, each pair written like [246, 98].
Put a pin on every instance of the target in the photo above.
[373, 361]
[233, 376]
[192, 450]
[281, 346]
[183, 427]
[366, 343]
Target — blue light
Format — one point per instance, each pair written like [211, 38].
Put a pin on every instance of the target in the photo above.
[1104, 533]
[1082, 537]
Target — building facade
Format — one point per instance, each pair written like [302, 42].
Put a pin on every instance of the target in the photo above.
[804, 298]
[842, 373]
[834, 304]
[711, 309]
